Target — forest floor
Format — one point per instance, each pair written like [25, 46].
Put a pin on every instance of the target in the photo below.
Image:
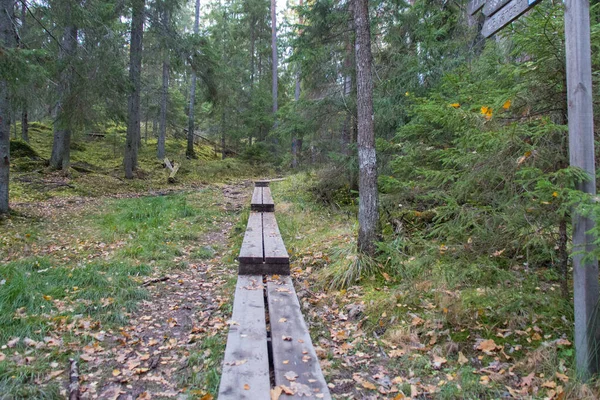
[134, 279]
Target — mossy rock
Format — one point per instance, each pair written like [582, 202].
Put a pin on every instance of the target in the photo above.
[21, 149]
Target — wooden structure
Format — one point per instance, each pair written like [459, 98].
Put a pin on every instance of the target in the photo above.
[269, 344]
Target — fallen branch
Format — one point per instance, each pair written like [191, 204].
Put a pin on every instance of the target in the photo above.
[73, 380]
[151, 281]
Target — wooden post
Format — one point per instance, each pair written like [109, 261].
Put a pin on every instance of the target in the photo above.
[581, 149]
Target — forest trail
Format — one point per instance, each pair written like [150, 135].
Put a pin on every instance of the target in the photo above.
[150, 356]
[170, 345]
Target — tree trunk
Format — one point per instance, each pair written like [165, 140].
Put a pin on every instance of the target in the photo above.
[135, 69]
[164, 97]
[368, 213]
[6, 40]
[296, 98]
[61, 146]
[24, 115]
[191, 128]
[274, 52]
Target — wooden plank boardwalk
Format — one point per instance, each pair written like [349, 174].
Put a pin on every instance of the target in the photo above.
[269, 344]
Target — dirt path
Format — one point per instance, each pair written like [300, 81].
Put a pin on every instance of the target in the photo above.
[167, 344]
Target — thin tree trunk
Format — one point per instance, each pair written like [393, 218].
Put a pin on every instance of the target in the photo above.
[24, 115]
[164, 98]
[7, 40]
[368, 213]
[61, 146]
[274, 52]
[296, 98]
[135, 69]
[191, 128]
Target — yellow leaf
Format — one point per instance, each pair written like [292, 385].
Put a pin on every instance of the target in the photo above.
[207, 396]
[554, 194]
[246, 387]
[368, 385]
[462, 360]
[486, 112]
[46, 297]
[455, 105]
[116, 372]
[507, 104]
[562, 377]
[407, 94]
[276, 393]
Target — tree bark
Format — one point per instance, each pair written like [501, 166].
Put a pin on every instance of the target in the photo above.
[7, 40]
[61, 146]
[24, 114]
[191, 128]
[295, 139]
[368, 213]
[164, 97]
[135, 68]
[274, 52]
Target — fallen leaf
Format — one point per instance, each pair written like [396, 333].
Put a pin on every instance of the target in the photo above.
[116, 372]
[291, 376]
[287, 390]
[562, 377]
[528, 380]
[438, 362]
[462, 360]
[246, 387]
[276, 392]
[549, 384]
[368, 385]
[488, 346]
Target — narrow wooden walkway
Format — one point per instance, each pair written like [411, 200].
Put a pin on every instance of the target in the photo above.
[269, 349]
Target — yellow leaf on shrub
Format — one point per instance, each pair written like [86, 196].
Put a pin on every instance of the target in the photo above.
[507, 104]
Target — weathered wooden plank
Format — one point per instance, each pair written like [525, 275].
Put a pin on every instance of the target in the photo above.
[474, 6]
[257, 199]
[581, 153]
[292, 347]
[267, 200]
[246, 356]
[492, 6]
[275, 252]
[507, 14]
[251, 251]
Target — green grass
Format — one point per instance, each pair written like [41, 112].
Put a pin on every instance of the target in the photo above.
[468, 298]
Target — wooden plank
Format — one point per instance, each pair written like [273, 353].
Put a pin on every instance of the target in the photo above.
[493, 6]
[246, 359]
[507, 14]
[474, 6]
[267, 201]
[251, 251]
[256, 202]
[263, 183]
[275, 252]
[298, 353]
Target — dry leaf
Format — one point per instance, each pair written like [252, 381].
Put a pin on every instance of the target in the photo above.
[562, 377]
[287, 390]
[246, 387]
[276, 392]
[549, 384]
[462, 360]
[438, 362]
[488, 346]
[291, 376]
[368, 385]
[528, 380]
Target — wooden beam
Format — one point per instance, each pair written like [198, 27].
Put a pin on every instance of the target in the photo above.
[507, 14]
[246, 363]
[474, 6]
[492, 6]
[581, 153]
[293, 351]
